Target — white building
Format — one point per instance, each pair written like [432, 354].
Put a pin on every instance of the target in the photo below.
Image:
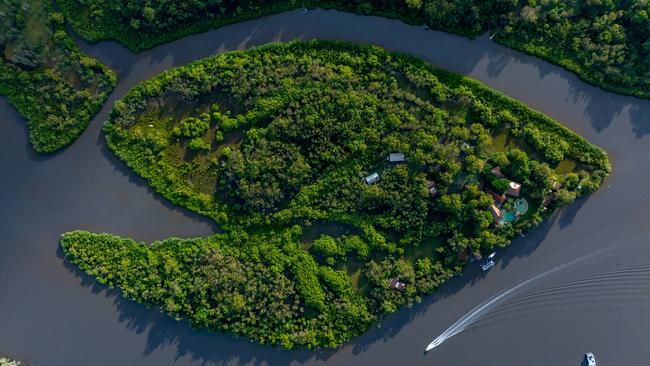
[396, 158]
[372, 178]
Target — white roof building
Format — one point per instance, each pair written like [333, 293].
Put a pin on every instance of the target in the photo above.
[514, 189]
[396, 157]
[431, 186]
[372, 178]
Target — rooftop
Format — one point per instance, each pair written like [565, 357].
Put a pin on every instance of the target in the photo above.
[396, 157]
[514, 189]
[372, 178]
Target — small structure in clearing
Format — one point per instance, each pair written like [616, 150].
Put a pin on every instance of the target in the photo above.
[396, 158]
[396, 285]
[497, 172]
[372, 178]
[431, 186]
[514, 189]
[499, 199]
[496, 213]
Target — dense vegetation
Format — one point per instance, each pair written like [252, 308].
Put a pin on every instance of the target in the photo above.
[7, 362]
[274, 144]
[264, 287]
[606, 42]
[53, 85]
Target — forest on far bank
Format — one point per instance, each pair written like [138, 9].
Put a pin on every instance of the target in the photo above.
[605, 42]
[349, 182]
[55, 87]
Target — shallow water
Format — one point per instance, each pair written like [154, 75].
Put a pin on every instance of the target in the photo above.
[50, 314]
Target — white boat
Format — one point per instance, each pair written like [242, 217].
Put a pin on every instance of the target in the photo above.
[489, 262]
[591, 360]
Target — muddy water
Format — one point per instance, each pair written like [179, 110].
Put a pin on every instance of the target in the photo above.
[50, 314]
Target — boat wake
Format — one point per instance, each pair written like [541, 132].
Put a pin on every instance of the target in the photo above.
[473, 315]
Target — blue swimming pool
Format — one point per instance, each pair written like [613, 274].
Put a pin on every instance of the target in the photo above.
[508, 217]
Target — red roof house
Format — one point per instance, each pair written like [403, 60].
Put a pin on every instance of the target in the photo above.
[497, 172]
[496, 213]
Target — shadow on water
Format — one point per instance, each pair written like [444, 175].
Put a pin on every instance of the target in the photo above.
[122, 169]
[567, 214]
[640, 118]
[602, 108]
[162, 331]
[5, 105]
[497, 63]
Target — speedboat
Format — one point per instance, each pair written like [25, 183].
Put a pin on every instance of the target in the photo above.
[591, 360]
[489, 262]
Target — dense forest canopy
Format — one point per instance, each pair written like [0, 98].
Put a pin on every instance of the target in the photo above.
[350, 181]
[42, 72]
[606, 42]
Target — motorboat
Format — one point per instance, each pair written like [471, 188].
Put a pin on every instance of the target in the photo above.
[591, 360]
[489, 262]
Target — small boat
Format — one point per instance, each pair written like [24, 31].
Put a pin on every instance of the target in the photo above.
[489, 262]
[591, 360]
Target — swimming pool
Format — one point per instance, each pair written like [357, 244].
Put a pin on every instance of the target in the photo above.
[508, 217]
[521, 206]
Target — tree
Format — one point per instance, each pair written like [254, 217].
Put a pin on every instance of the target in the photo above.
[325, 246]
[414, 4]
[149, 13]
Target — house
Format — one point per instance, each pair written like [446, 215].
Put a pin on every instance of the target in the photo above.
[431, 186]
[496, 213]
[372, 178]
[396, 285]
[396, 158]
[514, 189]
[497, 172]
[498, 198]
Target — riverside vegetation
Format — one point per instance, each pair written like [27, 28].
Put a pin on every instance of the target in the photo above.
[51, 83]
[7, 362]
[274, 143]
[606, 42]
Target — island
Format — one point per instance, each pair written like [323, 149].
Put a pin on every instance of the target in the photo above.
[55, 87]
[348, 181]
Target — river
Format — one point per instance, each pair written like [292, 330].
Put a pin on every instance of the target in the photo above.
[52, 314]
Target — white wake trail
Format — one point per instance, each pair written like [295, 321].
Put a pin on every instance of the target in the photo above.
[474, 314]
